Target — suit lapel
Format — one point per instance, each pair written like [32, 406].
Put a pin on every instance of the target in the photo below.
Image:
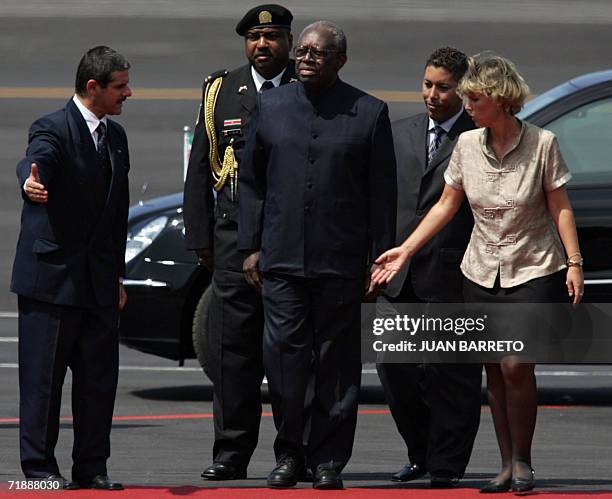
[419, 135]
[462, 124]
[289, 74]
[115, 154]
[81, 136]
[247, 94]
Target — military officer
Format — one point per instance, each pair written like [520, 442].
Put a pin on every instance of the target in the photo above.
[235, 325]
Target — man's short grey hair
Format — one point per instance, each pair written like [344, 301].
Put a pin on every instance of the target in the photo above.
[339, 38]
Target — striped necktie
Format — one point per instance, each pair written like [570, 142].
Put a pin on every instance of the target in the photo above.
[435, 143]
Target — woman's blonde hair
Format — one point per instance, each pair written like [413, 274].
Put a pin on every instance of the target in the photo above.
[496, 77]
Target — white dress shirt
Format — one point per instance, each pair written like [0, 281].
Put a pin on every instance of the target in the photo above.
[446, 126]
[259, 80]
[90, 118]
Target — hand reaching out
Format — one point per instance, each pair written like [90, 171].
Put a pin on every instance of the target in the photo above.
[35, 191]
[389, 264]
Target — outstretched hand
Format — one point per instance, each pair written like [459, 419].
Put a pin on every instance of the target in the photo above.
[389, 264]
[35, 191]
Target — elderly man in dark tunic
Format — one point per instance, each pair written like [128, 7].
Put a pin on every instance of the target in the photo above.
[318, 204]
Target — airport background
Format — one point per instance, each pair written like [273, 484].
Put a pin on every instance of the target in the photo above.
[172, 45]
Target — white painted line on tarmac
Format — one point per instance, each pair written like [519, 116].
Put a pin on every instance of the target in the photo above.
[594, 374]
[8, 315]
[575, 373]
[160, 368]
[9, 340]
[131, 368]
[607, 374]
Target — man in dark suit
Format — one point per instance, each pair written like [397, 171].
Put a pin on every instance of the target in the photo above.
[235, 324]
[318, 204]
[68, 269]
[436, 407]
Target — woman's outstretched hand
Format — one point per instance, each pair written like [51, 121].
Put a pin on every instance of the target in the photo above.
[389, 264]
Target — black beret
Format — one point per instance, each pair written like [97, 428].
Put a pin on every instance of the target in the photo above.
[265, 16]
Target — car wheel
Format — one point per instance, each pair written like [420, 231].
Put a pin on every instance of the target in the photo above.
[200, 327]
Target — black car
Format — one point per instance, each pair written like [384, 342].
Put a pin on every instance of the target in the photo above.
[166, 309]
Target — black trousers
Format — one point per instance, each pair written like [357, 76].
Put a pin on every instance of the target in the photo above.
[312, 332]
[436, 407]
[51, 339]
[235, 366]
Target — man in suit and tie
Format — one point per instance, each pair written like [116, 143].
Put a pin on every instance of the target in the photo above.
[234, 330]
[436, 407]
[68, 269]
[317, 188]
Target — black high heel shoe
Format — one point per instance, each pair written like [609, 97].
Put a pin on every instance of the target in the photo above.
[495, 486]
[523, 484]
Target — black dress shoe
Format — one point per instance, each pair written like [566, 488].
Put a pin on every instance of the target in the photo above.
[63, 483]
[101, 482]
[495, 486]
[444, 482]
[523, 484]
[327, 479]
[223, 471]
[408, 473]
[289, 469]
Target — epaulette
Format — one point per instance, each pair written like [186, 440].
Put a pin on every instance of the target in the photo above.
[215, 75]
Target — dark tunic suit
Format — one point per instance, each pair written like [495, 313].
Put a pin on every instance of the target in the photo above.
[235, 326]
[436, 406]
[69, 258]
[317, 190]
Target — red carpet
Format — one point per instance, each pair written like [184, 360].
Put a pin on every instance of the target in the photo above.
[263, 493]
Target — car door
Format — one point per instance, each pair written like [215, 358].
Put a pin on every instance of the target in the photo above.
[583, 124]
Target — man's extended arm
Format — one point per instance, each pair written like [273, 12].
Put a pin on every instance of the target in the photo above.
[36, 170]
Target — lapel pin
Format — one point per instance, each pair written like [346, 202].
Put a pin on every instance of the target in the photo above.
[242, 89]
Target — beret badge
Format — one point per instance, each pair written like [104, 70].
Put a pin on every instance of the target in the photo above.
[265, 17]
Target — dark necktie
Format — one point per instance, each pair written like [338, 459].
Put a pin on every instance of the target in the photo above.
[266, 85]
[102, 147]
[101, 142]
[435, 143]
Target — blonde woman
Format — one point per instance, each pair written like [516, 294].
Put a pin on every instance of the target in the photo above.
[514, 178]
